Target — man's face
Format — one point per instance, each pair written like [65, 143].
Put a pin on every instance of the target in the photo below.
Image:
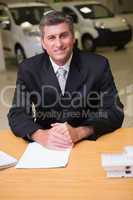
[58, 42]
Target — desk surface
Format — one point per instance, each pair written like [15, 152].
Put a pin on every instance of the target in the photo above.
[83, 178]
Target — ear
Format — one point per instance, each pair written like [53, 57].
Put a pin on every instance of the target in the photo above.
[74, 39]
[43, 45]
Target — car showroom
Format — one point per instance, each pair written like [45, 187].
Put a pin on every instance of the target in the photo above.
[103, 27]
[66, 99]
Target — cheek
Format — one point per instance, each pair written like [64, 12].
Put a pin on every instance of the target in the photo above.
[70, 42]
[47, 45]
[43, 44]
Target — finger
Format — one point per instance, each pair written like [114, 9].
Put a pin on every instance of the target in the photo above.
[54, 144]
[60, 128]
[58, 123]
[63, 130]
[55, 124]
[61, 137]
[60, 145]
[54, 147]
[61, 140]
[57, 148]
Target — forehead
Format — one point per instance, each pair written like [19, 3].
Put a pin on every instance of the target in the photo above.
[56, 29]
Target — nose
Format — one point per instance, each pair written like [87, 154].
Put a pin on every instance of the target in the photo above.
[58, 42]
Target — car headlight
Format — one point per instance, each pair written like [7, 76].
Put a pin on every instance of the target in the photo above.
[124, 20]
[99, 25]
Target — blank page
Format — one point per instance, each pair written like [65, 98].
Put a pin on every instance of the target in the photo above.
[6, 160]
[37, 156]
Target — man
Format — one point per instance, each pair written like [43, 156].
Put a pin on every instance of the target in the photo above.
[58, 109]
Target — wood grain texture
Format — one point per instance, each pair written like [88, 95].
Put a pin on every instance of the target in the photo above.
[83, 178]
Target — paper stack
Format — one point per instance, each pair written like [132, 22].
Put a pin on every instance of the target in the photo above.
[119, 165]
[37, 156]
[6, 160]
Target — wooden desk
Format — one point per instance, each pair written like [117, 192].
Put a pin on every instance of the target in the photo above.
[83, 178]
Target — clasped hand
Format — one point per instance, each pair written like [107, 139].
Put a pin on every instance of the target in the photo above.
[59, 136]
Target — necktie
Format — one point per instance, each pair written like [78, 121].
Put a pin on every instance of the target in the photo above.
[61, 75]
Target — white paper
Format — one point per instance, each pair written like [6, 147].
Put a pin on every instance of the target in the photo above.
[6, 160]
[37, 156]
[129, 150]
[119, 174]
[116, 161]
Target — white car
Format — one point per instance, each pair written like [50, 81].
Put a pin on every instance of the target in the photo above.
[128, 15]
[96, 25]
[20, 31]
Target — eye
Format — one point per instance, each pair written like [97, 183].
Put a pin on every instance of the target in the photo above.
[51, 37]
[64, 35]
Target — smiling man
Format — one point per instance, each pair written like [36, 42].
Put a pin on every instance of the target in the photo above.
[64, 95]
[58, 41]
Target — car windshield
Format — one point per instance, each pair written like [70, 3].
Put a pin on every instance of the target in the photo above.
[31, 14]
[94, 11]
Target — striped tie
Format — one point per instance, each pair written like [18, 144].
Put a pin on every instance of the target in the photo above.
[61, 75]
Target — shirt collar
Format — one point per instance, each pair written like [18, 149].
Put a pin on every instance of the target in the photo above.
[66, 66]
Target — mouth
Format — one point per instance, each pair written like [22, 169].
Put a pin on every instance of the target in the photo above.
[59, 51]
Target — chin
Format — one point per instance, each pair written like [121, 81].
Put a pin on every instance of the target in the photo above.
[61, 57]
[60, 61]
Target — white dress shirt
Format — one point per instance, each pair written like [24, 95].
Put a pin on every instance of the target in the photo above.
[66, 66]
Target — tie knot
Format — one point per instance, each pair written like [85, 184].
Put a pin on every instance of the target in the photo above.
[61, 72]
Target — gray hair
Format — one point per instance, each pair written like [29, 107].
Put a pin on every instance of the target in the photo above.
[53, 17]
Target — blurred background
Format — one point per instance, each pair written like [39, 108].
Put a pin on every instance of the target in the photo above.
[104, 27]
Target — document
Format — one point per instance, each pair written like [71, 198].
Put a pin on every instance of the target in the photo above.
[118, 165]
[6, 160]
[120, 174]
[129, 150]
[116, 161]
[37, 156]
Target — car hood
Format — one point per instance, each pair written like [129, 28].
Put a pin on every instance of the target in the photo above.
[30, 29]
[114, 23]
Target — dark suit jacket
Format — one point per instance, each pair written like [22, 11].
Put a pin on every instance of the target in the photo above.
[90, 97]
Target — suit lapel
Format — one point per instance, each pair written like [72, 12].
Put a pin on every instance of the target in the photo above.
[48, 76]
[76, 77]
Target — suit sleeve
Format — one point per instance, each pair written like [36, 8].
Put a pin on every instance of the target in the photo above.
[109, 115]
[20, 114]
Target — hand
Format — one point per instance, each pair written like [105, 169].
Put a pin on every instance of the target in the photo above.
[76, 134]
[52, 139]
[68, 130]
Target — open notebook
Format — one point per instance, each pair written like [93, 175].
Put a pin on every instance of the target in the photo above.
[6, 160]
[37, 156]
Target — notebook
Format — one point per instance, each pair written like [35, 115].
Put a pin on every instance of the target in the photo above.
[37, 156]
[6, 160]
[116, 161]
